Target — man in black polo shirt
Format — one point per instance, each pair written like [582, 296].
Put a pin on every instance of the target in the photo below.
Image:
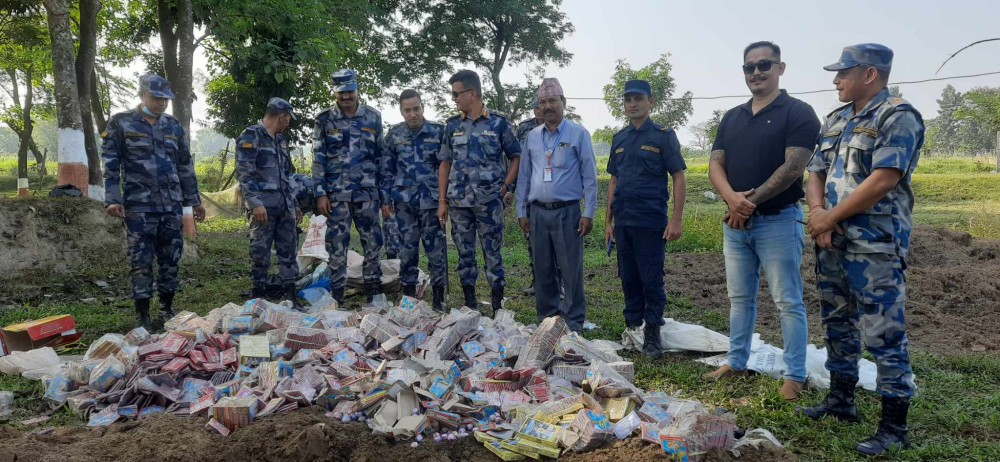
[761, 149]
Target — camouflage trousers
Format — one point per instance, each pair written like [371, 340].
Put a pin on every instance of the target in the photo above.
[418, 225]
[486, 222]
[391, 236]
[365, 216]
[159, 235]
[279, 230]
[863, 295]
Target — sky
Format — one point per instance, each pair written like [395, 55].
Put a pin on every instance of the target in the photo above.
[706, 41]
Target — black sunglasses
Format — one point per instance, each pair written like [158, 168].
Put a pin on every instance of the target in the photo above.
[764, 66]
[454, 94]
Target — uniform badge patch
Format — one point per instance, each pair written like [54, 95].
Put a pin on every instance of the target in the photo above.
[866, 130]
[136, 134]
[458, 134]
[619, 150]
[332, 131]
[104, 134]
[368, 129]
[170, 137]
[247, 144]
[649, 148]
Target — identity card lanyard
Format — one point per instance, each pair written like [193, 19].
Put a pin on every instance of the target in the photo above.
[547, 171]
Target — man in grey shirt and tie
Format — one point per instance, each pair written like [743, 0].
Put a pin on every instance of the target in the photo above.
[559, 169]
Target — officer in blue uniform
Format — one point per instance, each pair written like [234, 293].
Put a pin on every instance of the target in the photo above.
[859, 188]
[347, 161]
[474, 182]
[264, 168]
[148, 179]
[644, 157]
[410, 180]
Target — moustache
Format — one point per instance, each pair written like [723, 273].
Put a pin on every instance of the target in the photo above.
[549, 111]
[758, 79]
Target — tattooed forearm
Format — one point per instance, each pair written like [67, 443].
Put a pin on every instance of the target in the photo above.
[796, 159]
[719, 156]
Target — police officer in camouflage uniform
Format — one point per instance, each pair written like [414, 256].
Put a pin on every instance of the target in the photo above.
[411, 182]
[264, 166]
[348, 147]
[148, 179]
[859, 188]
[474, 182]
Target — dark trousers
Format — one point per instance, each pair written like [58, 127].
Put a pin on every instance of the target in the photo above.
[557, 244]
[640, 266]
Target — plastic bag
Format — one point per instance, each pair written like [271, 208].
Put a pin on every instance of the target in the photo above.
[679, 336]
[315, 244]
[756, 438]
[107, 345]
[105, 374]
[57, 389]
[20, 361]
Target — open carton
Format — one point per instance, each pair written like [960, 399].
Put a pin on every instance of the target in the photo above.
[52, 331]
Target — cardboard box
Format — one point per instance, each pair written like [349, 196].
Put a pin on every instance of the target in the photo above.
[51, 331]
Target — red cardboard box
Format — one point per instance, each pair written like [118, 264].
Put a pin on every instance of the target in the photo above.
[51, 331]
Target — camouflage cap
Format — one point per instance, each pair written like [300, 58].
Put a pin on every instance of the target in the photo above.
[534, 102]
[278, 104]
[345, 80]
[156, 86]
[865, 54]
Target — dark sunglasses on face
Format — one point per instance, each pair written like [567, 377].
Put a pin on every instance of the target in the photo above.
[764, 66]
[454, 94]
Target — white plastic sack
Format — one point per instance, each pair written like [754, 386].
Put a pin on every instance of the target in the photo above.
[355, 261]
[315, 244]
[756, 438]
[768, 359]
[20, 361]
[679, 336]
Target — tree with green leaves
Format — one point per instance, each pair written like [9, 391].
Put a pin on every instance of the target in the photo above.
[293, 48]
[667, 110]
[982, 105]
[943, 132]
[24, 63]
[894, 91]
[489, 36]
[704, 132]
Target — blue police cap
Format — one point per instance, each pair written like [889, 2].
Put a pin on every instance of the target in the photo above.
[638, 86]
[279, 104]
[156, 86]
[534, 102]
[345, 80]
[865, 54]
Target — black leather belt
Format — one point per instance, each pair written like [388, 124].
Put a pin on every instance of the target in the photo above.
[555, 205]
[774, 211]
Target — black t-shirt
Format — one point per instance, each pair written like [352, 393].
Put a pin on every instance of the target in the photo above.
[755, 144]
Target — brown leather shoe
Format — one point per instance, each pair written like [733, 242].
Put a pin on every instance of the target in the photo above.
[791, 389]
[724, 372]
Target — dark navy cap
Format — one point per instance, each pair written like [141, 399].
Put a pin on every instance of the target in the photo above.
[865, 54]
[280, 105]
[638, 86]
[345, 80]
[534, 102]
[156, 86]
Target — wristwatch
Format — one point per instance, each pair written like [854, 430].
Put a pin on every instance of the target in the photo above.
[510, 187]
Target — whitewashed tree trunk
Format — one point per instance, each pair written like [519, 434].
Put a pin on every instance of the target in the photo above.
[71, 152]
[86, 56]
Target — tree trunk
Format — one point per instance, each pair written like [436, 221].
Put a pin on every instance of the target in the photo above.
[177, 41]
[24, 135]
[95, 103]
[72, 155]
[85, 58]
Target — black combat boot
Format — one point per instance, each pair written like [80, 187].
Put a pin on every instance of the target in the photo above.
[839, 401]
[470, 296]
[410, 291]
[438, 302]
[291, 293]
[338, 295]
[892, 430]
[651, 345]
[371, 291]
[142, 315]
[496, 300]
[166, 306]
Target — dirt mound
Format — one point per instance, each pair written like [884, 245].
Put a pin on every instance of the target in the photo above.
[303, 435]
[953, 292]
[52, 234]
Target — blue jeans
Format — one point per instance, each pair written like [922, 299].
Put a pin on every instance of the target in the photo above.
[773, 242]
